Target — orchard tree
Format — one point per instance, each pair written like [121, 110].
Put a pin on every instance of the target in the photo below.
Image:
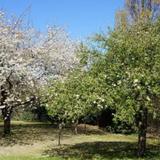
[132, 74]
[13, 74]
[28, 60]
[80, 94]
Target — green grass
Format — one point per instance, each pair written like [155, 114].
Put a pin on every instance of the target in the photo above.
[38, 141]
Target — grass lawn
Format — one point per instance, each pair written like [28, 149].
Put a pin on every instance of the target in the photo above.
[38, 141]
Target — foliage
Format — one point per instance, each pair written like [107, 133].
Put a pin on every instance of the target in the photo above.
[81, 93]
[133, 68]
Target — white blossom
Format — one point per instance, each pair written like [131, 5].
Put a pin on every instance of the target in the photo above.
[29, 59]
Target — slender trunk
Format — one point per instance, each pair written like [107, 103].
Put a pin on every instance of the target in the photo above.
[142, 126]
[76, 127]
[59, 134]
[85, 128]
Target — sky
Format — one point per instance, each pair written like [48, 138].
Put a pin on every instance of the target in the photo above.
[81, 18]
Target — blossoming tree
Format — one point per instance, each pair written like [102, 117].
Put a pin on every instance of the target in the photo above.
[28, 62]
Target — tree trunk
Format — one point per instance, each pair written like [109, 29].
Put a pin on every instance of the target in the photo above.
[85, 128]
[142, 127]
[6, 112]
[59, 134]
[7, 125]
[76, 127]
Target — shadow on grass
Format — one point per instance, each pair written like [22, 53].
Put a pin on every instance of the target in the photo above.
[27, 134]
[102, 150]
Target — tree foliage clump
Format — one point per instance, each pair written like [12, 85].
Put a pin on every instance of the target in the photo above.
[79, 94]
[132, 74]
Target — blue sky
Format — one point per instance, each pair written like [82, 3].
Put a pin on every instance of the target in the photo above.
[80, 17]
